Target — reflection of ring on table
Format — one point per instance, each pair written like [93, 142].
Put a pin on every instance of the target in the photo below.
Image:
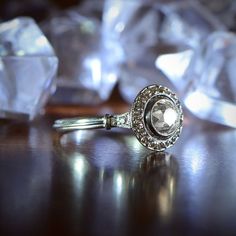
[156, 119]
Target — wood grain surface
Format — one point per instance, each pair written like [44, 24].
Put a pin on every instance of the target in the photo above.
[106, 183]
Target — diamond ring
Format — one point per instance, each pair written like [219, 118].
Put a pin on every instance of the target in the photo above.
[156, 118]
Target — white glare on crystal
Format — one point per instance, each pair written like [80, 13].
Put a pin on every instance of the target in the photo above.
[198, 102]
[93, 64]
[41, 41]
[204, 106]
[119, 27]
[20, 53]
[211, 95]
[113, 13]
[174, 66]
[1, 66]
[88, 27]
[112, 77]
[10, 25]
[229, 114]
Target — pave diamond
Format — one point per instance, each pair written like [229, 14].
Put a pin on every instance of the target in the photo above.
[164, 117]
[122, 120]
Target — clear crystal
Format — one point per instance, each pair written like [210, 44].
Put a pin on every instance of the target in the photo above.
[211, 94]
[188, 23]
[133, 78]
[86, 74]
[164, 117]
[27, 68]
[155, 41]
[185, 25]
[225, 10]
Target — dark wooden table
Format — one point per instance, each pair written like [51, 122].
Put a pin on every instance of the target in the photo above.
[106, 183]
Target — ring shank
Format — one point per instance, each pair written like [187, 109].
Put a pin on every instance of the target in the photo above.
[82, 123]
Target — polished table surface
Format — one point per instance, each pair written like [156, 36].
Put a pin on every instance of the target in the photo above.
[106, 183]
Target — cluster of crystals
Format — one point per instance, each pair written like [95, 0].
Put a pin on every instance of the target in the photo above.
[147, 139]
[86, 73]
[155, 40]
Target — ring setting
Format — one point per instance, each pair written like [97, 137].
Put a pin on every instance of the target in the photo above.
[156, 118]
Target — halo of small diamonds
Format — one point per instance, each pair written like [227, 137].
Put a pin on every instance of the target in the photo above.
[141, 126]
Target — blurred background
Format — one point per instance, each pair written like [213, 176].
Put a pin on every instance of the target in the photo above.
[39, 10]
[92, 48]
[76, 56]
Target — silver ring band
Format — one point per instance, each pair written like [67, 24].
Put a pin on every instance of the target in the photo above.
[82, 123]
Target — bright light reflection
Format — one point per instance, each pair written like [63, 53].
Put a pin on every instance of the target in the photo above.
[41, 41]
[209, 108]
[79, 165]
[93, 64]
[1, 65]
[101, 174]
[174, 65]
[113, 13]
[111, 77]
[198, 102]
[229, 114]
[20, 53]
[88, 26]
[79, 168]
[172, 186]
[80, 135]
[196, 164]
[164, 202]
[170, 116]
[118, 183]
[9, 25]
[119, 27]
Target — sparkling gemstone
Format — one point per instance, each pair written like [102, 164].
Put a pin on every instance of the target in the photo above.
[86, 73]
[211, 94]
[28, 68]
[164, 117]
[155, 40]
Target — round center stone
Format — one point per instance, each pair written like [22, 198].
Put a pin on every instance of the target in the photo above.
[164, 117]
